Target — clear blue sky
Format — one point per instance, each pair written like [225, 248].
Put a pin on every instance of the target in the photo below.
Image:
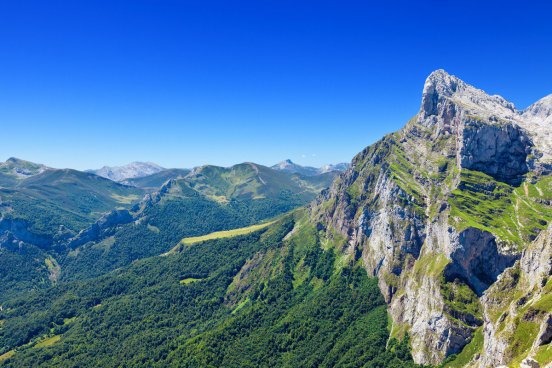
[184, 83]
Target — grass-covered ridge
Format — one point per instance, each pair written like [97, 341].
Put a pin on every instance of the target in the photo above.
[225, 234]
[514, 214]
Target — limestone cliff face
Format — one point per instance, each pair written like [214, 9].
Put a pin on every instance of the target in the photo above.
[417, 209]
[102, 228]
[517, 310]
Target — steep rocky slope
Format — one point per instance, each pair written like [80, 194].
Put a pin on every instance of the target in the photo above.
[439, 209]
[518, 322]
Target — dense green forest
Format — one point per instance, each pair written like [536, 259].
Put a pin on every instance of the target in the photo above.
[207, 306]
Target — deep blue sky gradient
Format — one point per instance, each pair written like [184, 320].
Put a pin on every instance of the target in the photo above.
[184, 83]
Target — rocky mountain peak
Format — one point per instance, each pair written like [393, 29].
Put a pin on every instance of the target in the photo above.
[442, 90]
[284, 164]
[13, 160]
[292, 167]
[540, 112]
[419, 207]
[537, 119]
[342, 166]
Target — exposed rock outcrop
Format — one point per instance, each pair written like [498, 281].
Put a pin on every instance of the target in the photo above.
[14, 231]
[499, 150]
[108, 224]
[477, 260]
[104, 227]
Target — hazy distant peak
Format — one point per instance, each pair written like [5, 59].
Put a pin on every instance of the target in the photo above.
[292, 167]
[342, 166]
[540, 111]
[130, 171]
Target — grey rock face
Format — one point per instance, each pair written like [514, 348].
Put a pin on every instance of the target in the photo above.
[292, 167]
[477, 260]
[537, 118]
[499, 150]
[100, 228]
[130, 171]
[107, 225]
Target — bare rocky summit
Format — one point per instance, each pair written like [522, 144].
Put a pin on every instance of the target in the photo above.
[130, 171]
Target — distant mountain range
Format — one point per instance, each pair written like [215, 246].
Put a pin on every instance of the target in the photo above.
[155, 175]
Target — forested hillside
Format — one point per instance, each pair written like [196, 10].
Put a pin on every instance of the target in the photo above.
[262, 300]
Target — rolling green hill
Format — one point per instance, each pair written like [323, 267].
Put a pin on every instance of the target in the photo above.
[44, 209]
[253, 181]
[14, 170]
[50, 207]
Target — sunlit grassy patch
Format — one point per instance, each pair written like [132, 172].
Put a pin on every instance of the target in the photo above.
[224, 234]
[7, 355]
[48, 341]
[128, 199]
[188, 280]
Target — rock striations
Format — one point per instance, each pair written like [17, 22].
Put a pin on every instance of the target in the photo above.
[440, 209]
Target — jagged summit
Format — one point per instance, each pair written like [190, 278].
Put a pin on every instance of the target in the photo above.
[441, 88]
[291, 167]
[448, 203]
[448, 103]
[284, 164]
[540, 111]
